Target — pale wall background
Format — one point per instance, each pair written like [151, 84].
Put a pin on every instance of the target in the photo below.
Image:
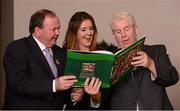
[158, 19]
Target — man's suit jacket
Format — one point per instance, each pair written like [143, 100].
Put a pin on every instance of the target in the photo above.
[139, 86]
[29, 77]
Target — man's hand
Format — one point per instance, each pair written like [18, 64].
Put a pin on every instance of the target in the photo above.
[65, 82]
[142, 59]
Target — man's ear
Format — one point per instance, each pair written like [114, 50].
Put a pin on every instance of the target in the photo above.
[136, 29]
[114, 38]
[112, 34]
[37, 31]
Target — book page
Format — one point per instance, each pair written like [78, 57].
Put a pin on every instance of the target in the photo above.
[96, 52]
[118, 51]
[122, 65]
[102, 52]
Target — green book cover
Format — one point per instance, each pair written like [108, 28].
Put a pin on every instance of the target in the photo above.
[106, 66]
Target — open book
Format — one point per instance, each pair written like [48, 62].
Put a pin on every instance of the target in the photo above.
[105, 65]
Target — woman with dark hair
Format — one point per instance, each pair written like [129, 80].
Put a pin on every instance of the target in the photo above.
[81, 35]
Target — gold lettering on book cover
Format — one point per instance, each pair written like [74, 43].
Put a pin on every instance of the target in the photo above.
[87, 70]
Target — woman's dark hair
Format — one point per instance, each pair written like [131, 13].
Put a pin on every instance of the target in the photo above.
[73, 26]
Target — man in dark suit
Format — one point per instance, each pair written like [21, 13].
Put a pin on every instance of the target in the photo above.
[143, 89]
[31, 82]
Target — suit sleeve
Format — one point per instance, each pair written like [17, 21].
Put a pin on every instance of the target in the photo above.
[19, 77]
[167, 74]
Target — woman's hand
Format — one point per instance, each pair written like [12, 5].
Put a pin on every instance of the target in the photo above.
[93, 89]
[77, 94]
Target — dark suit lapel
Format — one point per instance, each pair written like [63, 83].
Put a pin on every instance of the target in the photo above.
[59, 60]
[38, 55]
[132, 82]
[135, 82]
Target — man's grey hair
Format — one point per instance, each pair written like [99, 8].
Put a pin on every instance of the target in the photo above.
[120, 16]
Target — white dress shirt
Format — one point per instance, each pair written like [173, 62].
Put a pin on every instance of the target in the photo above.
[42, 47]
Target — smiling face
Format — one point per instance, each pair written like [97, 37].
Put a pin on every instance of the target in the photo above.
[124, 32]
[85, 35]
[49, 33]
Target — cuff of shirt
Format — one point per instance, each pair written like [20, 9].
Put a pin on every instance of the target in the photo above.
[94, 105]
[73, 102]
[54, 88]
[153, 76]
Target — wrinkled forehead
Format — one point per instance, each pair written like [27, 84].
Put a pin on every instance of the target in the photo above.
[127, 20]
[51, 19]
[121, 23]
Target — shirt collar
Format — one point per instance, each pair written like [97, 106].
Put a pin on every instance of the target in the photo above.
[41, 45]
